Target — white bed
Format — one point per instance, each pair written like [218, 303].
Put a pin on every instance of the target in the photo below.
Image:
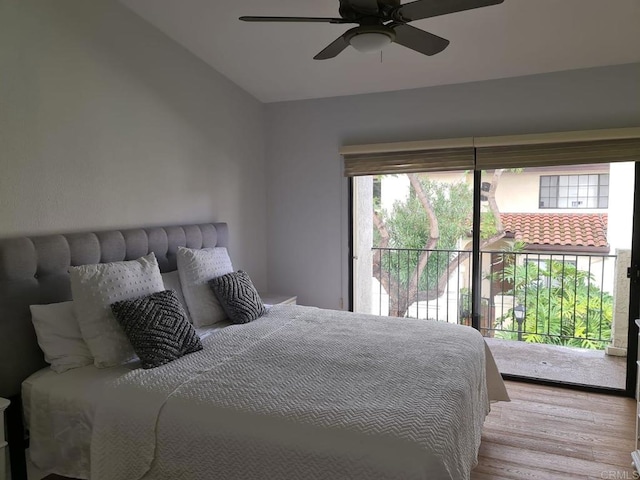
[300, 393]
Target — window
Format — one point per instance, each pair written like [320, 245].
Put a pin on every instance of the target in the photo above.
[574, 191]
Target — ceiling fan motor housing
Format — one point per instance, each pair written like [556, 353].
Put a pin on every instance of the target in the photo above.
[354, 10]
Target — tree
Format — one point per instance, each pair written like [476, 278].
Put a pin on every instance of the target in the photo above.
[562, 305]
[424, 232]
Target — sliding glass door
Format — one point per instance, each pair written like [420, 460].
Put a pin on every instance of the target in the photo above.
[528, 243]
[555, 245]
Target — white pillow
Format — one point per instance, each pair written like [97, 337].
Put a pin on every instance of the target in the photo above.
[196, 268]
[59, 336]
[171, 281]
[95, 288]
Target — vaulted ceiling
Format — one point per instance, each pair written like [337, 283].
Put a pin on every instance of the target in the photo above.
[274, 62]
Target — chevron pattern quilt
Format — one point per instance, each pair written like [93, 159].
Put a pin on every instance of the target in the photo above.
[302, 394]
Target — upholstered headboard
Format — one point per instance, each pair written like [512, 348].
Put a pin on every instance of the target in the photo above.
[34, 270]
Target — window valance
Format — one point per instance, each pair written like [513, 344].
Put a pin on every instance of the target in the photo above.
[485, 153]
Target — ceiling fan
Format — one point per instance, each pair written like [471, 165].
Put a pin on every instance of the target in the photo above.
[381, 22]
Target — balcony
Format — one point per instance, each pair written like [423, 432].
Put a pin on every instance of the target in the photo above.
[544, 315]
[561, 364]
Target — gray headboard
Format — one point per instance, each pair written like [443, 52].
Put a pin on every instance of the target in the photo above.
[34, 270]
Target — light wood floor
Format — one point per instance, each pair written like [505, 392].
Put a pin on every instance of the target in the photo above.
[548, 433]
[551, 433]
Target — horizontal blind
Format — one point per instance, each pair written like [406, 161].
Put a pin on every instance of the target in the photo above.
[409, 157]
[555, 154]
[558, 148]
[409, 162]
[484, 153]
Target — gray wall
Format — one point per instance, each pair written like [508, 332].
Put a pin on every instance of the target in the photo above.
[106, 122]
[307, 196]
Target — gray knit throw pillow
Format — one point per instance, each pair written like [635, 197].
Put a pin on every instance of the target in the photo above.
[157, 328]
[238, 297]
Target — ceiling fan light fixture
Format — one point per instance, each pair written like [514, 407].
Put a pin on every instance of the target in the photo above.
[370, 42]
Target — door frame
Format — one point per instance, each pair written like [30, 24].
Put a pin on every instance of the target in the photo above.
[634, 290]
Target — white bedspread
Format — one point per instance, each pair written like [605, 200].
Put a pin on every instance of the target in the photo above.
[303, 393]
[59, 410]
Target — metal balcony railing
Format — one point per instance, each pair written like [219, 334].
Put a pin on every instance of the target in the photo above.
[561, 299]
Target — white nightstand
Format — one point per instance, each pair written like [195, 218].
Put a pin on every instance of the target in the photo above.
[277, 299]
[4, 403]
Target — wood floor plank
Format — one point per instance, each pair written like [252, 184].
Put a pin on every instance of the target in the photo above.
[493, 469]
[554, 433]
[525, 441]
[551, 462]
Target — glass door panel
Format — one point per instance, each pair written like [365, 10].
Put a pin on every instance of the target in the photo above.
[412, 245]
[555, 248]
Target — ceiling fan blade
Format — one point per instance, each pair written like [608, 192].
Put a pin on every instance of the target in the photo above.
[419, 40]
[295, 19]
[333, 49]
[433, 8]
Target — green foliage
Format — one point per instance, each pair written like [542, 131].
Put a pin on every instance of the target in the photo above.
[488, 226]
[563, 306]
[409, 228]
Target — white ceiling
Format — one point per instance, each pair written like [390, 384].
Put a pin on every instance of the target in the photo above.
[274, 62]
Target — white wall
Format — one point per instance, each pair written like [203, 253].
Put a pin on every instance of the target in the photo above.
[620, 224]
[106, 122]
[307, 196]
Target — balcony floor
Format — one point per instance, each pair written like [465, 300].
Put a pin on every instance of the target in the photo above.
[563, 364]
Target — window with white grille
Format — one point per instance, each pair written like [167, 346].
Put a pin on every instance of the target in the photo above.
[574, 191]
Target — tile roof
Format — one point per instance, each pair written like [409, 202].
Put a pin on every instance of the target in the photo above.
[562, 229]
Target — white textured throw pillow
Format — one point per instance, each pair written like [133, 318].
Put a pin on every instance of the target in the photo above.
[171, 281]
[196, 268]
[97, 286]
[59, 336]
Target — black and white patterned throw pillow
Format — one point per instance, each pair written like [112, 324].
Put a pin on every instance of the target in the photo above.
[157, 328]
[238, 297]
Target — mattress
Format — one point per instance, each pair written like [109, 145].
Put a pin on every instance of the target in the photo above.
[294, 388]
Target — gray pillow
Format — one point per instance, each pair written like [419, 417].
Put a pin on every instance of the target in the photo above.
[157, 327]
[238, 297]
